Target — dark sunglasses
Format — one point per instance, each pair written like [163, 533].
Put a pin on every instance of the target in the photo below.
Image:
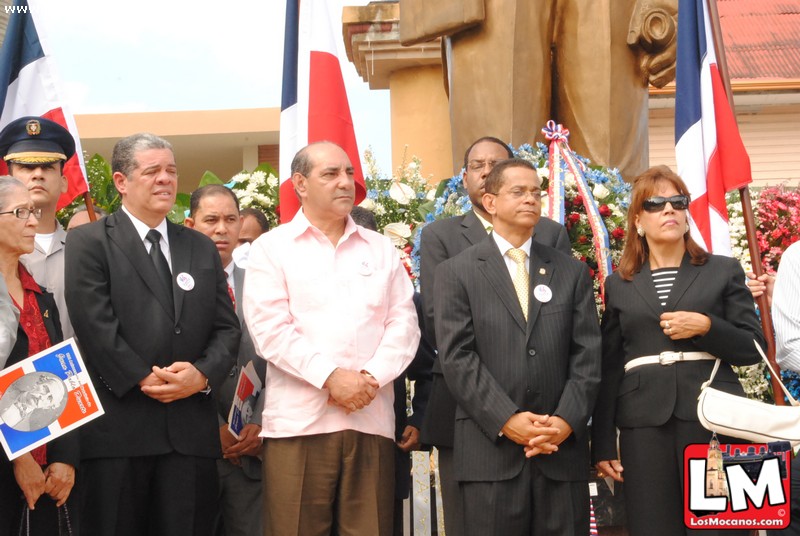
[657, 203]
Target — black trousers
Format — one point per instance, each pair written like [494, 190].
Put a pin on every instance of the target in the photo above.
[652, 458]
[166, 495]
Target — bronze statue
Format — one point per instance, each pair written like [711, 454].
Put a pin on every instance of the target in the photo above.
[513, 64]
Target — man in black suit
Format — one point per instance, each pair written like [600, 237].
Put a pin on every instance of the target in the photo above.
[440, 241]
[158, 332]
[519, 345]
[214, 211]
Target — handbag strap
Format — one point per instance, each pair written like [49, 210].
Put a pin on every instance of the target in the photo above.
[713, 373]
[64, 527]
[792, 401]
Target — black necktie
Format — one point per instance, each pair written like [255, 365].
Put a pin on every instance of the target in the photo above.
[160, 261]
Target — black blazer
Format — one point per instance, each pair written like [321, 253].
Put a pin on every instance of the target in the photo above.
[125, 325]
[64, 449]
[442, 240]
[497, 364]
[250, 465]
[649, 395]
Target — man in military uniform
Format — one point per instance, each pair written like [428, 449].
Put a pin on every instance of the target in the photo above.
[35, 150]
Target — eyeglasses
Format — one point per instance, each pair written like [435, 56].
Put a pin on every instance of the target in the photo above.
[25, 213]
[520, 194]
[657, 203]
[478, 165]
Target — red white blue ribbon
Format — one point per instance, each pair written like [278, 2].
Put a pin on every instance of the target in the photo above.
[562, 158]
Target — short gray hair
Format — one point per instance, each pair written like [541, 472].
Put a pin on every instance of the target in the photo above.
[123, 158]
[7, 185]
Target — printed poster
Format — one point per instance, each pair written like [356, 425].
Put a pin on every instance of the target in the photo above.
[44, 397]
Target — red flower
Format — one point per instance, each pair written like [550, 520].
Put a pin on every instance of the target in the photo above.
[574, 218]
[583, 239]
[578, 201]
[618, 233]
[605, 211]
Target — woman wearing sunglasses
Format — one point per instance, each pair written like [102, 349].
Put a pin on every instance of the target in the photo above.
[43, 478]
[671, 309]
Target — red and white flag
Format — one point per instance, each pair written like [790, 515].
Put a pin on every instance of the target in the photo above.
[29, 85]
[711, 157]
[314, 105]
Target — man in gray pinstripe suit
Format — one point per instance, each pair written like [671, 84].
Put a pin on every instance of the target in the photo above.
[519, 344]
[440, 241]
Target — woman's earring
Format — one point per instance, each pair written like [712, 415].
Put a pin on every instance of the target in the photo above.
[640, 231]
[687, 228]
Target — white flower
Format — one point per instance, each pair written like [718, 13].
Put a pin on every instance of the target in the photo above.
[368, 204]
[272, 181]
[543, 172]
[379, 209]
[545, 205]
[431, 195]
[399, 233]
[412, 165]
[402, 193]
[600, 192]
[569, 180]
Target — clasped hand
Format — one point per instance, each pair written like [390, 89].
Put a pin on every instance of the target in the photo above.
[56, 480]
[179, 380]
[248, 444]
[351, 390]
[538, 434]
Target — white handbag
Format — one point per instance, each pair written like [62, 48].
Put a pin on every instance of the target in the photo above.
[740, 417]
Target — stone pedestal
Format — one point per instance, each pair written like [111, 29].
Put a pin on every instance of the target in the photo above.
[420, 120]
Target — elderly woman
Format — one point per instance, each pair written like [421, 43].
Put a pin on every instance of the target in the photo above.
[42, 478]
[671, 309]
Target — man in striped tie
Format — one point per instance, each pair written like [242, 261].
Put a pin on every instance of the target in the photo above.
[517, 332]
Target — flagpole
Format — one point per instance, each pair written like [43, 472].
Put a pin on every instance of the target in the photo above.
[747, 209]
[87, 199]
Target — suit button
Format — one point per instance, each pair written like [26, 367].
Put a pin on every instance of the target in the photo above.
[531, 352]
[177, 330]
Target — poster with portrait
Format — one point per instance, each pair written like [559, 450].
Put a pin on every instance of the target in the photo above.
[43, 397]
[244, 400]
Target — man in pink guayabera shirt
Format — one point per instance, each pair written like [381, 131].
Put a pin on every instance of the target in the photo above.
[329, 306]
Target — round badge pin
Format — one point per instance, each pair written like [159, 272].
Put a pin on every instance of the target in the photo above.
[365, 268]
[185, 281]
[543, 293]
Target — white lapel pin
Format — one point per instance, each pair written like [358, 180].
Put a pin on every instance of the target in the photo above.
[185, 281]
[543, 293]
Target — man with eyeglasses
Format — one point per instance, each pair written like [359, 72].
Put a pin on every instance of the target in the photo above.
[440, 241]
[35, 150]
[518, 333]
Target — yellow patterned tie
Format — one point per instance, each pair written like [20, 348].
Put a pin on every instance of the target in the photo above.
[521, 284]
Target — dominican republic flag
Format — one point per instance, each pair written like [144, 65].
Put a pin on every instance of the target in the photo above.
[314, 104]
[711, 157]
[29, 86]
